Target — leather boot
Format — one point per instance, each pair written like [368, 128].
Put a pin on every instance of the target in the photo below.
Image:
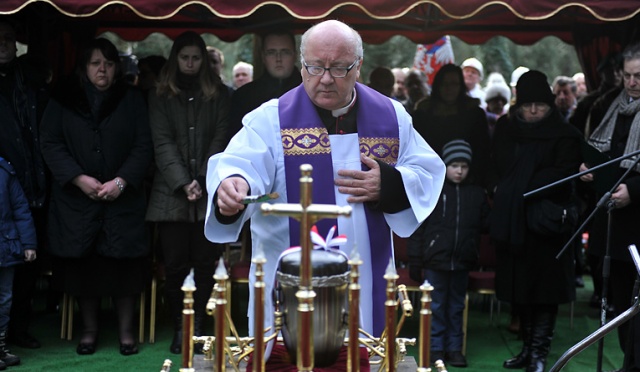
[176, 343]
[6, 357]
[541, 336]
[522, 360]
[198, 329]
[175, 300]
[204, 282]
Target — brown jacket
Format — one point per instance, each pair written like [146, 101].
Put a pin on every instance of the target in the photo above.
[185, 134]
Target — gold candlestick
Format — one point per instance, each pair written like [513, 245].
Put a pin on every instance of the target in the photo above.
[353, 358]
[308, 214]
[425, 326]
[221, 277]
[407, 307]
[258, 312]
[188, 287]
[391, 305]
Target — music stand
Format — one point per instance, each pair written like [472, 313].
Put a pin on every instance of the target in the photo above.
[613, 324]
[605, 201]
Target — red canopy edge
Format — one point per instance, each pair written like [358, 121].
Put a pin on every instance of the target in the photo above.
[606, 11]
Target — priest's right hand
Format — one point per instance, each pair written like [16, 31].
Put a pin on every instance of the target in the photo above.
[230, 194]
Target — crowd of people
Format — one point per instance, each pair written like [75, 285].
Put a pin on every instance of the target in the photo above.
[93, 167]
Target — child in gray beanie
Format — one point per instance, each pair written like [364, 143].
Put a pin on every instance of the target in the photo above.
[445, 248]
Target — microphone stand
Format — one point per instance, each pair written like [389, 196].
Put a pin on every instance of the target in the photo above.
[615, 323]
[605, 201]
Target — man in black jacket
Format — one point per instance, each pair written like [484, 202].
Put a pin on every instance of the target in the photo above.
[280, 75]
[22, 100]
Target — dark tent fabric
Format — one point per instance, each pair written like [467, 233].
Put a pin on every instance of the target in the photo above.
[422, 21]
[595, 27]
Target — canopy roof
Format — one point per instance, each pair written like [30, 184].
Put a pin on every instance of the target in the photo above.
[475, 21]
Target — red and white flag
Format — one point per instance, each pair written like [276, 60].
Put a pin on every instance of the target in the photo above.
[430, 57]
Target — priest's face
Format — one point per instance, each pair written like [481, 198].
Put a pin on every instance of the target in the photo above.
[328, 54]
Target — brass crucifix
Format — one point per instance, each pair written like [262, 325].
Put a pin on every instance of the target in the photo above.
[308, 214]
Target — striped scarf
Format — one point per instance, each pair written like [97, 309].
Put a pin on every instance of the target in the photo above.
[601, 137]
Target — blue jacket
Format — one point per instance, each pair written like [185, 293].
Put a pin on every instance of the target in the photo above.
[17, 232]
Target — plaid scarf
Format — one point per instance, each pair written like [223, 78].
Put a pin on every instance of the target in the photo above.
[601, 137]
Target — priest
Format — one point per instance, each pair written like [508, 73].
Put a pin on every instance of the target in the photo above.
[364, 152]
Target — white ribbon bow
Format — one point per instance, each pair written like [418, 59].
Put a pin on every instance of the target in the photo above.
[329, 243]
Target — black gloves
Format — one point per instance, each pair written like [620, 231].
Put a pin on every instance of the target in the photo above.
[415, 273]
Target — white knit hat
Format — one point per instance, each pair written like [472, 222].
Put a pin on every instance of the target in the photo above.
[497, 89]
[474, 63]
[515, 75]
[495, 78]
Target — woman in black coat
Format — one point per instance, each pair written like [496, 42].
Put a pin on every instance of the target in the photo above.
[533, 147]
[97, 144]
[448, 114]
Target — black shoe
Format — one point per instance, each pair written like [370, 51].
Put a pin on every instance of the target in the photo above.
[455, 358]
[176, 343]
[537, 365]
[24, 340]
[436, 355]
[86, 349]
[128, 349]
[579, 282]
[10, 359]
[519, 361]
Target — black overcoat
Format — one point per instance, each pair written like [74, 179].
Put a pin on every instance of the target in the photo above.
[527, 156]
[112, 141]
[449, 238]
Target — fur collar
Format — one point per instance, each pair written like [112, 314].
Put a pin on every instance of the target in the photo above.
[72, 96]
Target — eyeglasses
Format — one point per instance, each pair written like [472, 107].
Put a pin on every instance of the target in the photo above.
[336, 72]
[271, 53]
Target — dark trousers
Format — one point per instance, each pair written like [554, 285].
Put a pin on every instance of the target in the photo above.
[447, 306]
[622, 279]
[26, 277]
[184, 246]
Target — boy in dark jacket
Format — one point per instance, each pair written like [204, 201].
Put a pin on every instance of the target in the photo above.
[17, 244]
[445, 249]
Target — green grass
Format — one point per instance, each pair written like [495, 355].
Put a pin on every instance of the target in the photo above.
[488, 345]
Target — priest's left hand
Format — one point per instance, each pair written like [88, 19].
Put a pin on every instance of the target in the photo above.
[363, 186]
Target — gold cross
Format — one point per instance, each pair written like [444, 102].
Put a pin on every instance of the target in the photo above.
[308, 214]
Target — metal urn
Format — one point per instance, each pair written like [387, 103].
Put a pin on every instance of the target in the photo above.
[330, 279]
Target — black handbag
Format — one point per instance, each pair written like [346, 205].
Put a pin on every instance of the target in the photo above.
[549, 218]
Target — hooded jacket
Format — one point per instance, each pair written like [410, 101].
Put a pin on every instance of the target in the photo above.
[17, 232]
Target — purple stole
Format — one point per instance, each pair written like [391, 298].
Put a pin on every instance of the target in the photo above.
[305, 140]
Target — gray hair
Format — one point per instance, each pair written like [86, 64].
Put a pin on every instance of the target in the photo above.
[565, 80]
[356, 40]
[631, 52]
[242, 64]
